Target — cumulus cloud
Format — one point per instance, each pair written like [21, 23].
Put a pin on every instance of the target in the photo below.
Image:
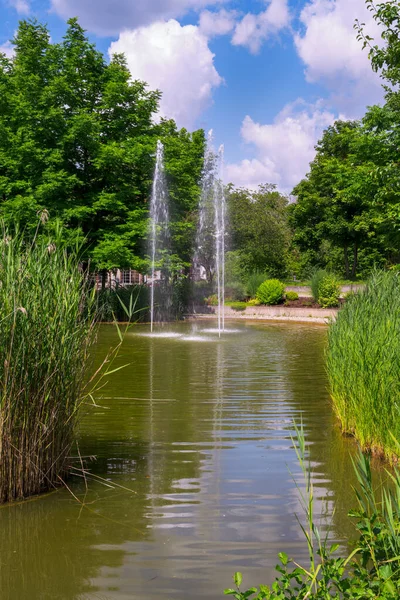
[21, 6]
[254, 29]
[332, 54]
[175, 59]
[110, 17]
[217, 23]
[8, 49]
[283, 148]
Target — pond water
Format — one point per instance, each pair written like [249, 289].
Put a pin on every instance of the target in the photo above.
[193, 438]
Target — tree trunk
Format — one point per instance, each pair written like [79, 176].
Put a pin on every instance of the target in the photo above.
[346, 262]
[355, 261]
[103, 279]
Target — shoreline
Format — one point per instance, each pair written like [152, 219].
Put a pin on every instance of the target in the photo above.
[320, 316]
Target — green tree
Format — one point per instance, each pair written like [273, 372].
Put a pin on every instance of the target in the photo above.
[337, 201]
[78, 138]
[260, 230]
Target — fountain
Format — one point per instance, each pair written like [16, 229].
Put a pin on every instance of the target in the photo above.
[159, 225]
[210, 242]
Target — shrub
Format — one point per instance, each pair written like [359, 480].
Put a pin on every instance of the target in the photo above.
[328, 292]
[271, 292]
[316, 279]
[253, 302]
[46, 328]
[363, 363]
[291, 296]
[253, 282]
[212, 300]
[238, 305]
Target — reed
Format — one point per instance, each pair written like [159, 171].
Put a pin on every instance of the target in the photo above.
[47, 320]
[363, 363]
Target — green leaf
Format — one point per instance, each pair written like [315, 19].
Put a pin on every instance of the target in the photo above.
[238, 578]
[283, 557]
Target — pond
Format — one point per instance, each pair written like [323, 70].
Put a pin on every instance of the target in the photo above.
[193, 441]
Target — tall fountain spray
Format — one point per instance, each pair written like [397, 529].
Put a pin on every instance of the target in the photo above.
[159, 222]
[210, 242]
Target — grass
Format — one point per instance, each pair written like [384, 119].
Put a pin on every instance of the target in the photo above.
[363, 362]
[46, 328]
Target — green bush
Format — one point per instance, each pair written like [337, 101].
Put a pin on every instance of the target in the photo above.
[271, 292]
[292, 296]
[363, 363]
[238, 305]
[253, 302]
[328, 292]
[316, 279]
[253, 282]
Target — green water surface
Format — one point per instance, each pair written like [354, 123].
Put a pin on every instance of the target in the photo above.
[197, 432]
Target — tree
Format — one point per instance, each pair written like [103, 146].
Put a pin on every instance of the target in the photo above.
[78, 138]
[338, 202]
[260, 230]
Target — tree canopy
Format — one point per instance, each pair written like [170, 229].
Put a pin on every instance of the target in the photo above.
[78, 139]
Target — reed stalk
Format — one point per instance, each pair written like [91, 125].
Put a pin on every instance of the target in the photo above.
[363, 363]
[46, 327]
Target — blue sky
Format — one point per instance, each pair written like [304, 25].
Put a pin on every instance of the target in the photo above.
[266, 75]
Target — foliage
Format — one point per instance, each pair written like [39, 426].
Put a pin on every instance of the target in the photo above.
[338, 214]
[271, 292]
[363, 364]
[371, 570]
[253, 282]
[46, 326]
[329, 292]
[78, 138]
[212, 300]
[253, 302]
[235, 290]
[317, 276]
[291, 296]
[239, 306]
[260, 230]
[111, 303]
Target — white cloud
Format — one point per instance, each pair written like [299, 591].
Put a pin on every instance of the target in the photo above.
[217, 23]
[284, 148]
[332, 54]
[110, 17]
[8, 49]
[175, 60]
[21, 6]
[253, 29]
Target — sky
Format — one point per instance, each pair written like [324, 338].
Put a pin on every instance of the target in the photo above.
[267, 76]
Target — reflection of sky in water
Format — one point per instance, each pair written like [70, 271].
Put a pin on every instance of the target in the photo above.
[201, 434]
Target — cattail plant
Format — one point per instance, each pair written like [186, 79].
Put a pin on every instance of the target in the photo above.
[47, 312]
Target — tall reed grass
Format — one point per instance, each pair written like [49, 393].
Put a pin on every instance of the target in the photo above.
[363, 362]
[46, 327]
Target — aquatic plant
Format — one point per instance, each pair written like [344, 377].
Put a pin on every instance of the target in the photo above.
[363, 363]
[371, 570]
[271, 292]
[46, 327]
